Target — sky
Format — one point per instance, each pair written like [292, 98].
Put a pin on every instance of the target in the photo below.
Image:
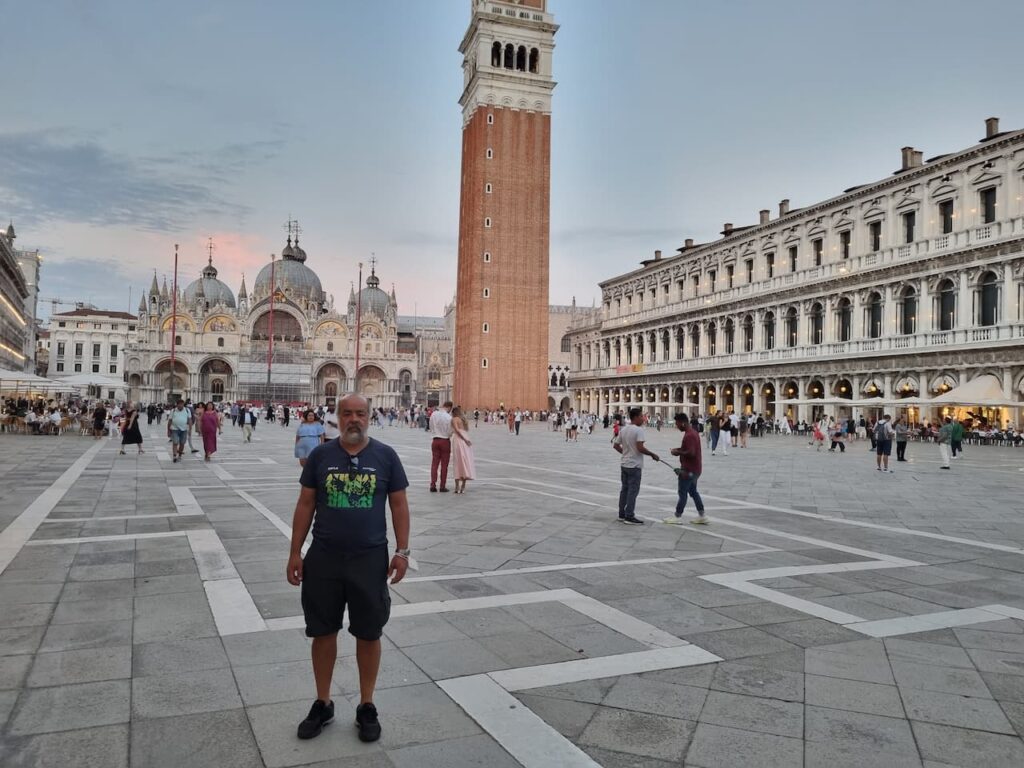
[131, 125]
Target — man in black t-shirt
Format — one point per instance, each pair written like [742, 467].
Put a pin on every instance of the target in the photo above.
[345, 485]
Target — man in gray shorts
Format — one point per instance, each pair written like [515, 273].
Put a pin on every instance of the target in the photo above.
[346, 483]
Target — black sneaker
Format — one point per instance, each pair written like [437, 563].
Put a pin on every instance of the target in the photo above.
[632, 521]
[367, 722]
[320, 714]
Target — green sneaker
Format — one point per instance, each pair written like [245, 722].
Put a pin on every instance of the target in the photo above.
[699, 521]
[673, 521]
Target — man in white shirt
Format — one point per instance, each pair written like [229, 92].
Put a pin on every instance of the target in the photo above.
[331, 431]
[630, 443]
[440, 445]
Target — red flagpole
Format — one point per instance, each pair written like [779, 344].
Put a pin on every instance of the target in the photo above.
[174, 320]
[270, 346]
[359, 312]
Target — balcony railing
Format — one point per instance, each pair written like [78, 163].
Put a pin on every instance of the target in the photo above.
[917, 341]
[884, 257]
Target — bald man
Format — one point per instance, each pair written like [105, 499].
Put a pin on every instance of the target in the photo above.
[345, 485]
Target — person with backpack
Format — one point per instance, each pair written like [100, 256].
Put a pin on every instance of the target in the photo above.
[956, 439]
[882, 438]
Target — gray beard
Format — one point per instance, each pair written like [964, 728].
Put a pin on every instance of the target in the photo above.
[353, 437]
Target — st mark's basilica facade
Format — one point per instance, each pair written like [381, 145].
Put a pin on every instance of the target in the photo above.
[223, 340]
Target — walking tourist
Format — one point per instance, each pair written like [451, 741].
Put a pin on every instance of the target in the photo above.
[210, 427]
[688, 472]
[630, 444]
[441, 445]
[345, 486]
[944, 439]
[131, 434]
[902, 433]
[308, 436]
[518, 420]
[956, 439]
[179, 422]
[249, 418]
[99, 418]
[193, 423]
[462, 451]
[883, 434]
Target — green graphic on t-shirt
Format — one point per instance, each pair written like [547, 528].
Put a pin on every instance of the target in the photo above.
[345, 491]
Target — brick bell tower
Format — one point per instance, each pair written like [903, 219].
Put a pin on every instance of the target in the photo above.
[501, 319]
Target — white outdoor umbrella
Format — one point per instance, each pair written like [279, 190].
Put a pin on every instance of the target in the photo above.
[93, 380]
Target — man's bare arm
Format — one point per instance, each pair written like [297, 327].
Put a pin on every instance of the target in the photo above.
[399, 503]
[301, 522]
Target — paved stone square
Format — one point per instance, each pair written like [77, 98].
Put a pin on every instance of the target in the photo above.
[829, 614]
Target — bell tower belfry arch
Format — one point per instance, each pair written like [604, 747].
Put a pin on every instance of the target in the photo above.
[501, 320]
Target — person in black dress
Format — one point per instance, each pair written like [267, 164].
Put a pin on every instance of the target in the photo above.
[131, 434]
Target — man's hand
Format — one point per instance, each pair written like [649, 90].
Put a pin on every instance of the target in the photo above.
[654, 456]
[675, 452]
[294, 570]
[396, 571]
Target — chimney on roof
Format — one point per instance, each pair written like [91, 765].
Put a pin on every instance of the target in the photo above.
[783, 207]
[917, 158]
[657, 255]
[991, 127]
[911, 158]
[727, 228]
[765, 216]
[688, 244]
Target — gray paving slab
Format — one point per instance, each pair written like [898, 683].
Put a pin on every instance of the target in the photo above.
[98, 747]
[469, 751]
[70, 707]
[82, 666]
[967, 747]
[217, 738]
[753, 713]
[715, 746]
[184, 693]
[638, 733]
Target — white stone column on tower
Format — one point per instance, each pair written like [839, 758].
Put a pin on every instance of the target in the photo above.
[965, 302]
[923, 323]
[1009, 296]
[857, 312]
[889, 312]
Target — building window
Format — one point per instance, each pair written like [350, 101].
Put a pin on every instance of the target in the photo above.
[62, 324]
[60, 348]
[131, 327]
[177, 340]
[769, 265]
[730, 274]
[792, 258]
[792, 327]
[487, 257]
[534, 60]
[947, 305]
[487, 328]
[220, 342]
[96, 350]
[490, 153]
[908, 311]
[487, 222]
[817, 324]
[844, 244]
[909, 221]
[711, 281]
[818, 248]
[988, 205]
[695, 341]
[330, 344]
[95, 367]
[97, 326]
[845, 316]
[946, 216]
[769, 331]
[748, 333]
[483, 363]
[113, 351]
[60, 367]
[488, 188]
[490, 118]
[113, 369]
[874, 316]
[78, 349]
[496, 54]
[487, 293]
[750, 271]
[78, 367]
[712, 338]
[696, 285]
[565, 344]
[989, 304]
[875, 235]
[730, 337]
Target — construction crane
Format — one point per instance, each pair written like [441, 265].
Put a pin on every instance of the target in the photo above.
[56, 302]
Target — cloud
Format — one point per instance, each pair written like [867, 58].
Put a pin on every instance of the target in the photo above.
[47, 178]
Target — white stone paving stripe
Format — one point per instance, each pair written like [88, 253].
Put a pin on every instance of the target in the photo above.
[476, 603]
[521, 733]
[212, 559]
[220, 472]
[21, 529]
[184, 501]
[112, 537]
[49, 521]
[234, 611]
[781, 598]
[623, 623]
[906, 625]
[561, 673]
[274, 520]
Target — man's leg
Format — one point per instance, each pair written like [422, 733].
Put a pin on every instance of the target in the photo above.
[446, 454]
[682, 487]
[368, 661]
[692, 490]
[632, 492]
[325, 654]
[623, 492]
[944, 455]
[435, 461]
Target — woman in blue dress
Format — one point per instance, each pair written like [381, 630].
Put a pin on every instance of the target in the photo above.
[308, 436]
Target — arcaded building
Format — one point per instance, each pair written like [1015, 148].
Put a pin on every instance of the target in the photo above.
[501, 336]
[902, 294]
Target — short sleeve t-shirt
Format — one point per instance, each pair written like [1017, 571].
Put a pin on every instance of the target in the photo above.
[629, 436]
[179, 419]
[351, 494]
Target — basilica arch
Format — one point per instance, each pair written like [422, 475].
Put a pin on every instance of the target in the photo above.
[331, 382]
[372, 382]
[216, 380]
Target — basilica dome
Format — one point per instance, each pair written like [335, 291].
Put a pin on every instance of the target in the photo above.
[372, 298]
[210, 288]
[292, 275]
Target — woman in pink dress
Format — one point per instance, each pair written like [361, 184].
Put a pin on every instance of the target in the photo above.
[209, 425]
[462, 449]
